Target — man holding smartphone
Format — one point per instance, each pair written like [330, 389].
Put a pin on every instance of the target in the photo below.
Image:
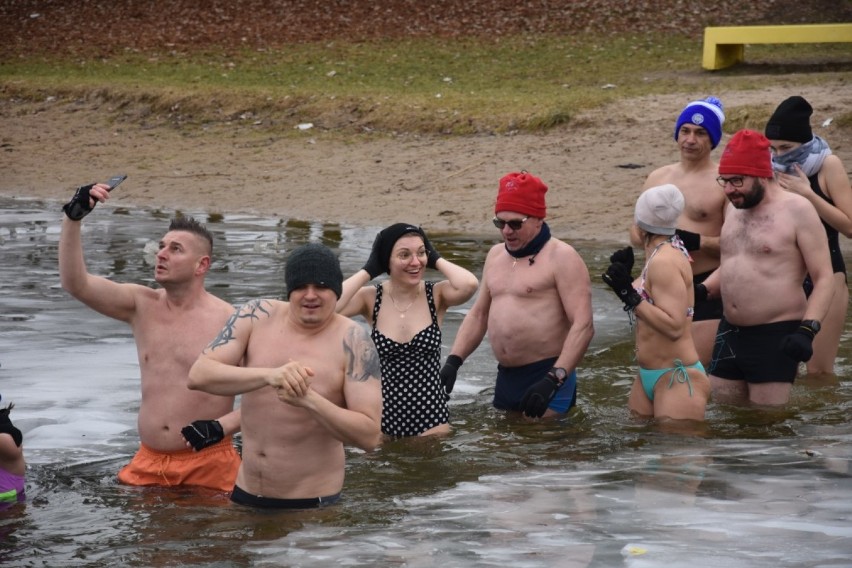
[171, 325]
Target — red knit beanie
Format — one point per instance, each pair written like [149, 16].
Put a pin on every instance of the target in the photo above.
[747, 154]
[521, 192]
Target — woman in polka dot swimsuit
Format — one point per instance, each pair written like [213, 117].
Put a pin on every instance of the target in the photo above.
[405, 313]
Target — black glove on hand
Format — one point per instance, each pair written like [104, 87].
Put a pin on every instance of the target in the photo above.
[374, 263]
[79, 206]
[434, 255]
[618, 278]
[623, 256]
[203, 433]
[799, 344]
[692, 241]
[449, 371]
[6, 426]
[538, 396]
[701, 293]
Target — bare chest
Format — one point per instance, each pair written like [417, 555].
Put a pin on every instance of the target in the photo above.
[176, 336]
[517, 277]
[705, 207]
[273, 346]
[757, 236]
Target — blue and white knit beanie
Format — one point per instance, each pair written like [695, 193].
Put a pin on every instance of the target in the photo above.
[707, 114]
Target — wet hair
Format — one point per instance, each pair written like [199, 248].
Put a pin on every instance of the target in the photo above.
[190, 225]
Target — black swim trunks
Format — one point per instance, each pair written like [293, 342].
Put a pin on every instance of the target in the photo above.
[513, 382]
[244, 498]
[753, 353]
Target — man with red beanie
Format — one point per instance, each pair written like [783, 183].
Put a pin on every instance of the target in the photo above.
[771, 238]
[534, 302]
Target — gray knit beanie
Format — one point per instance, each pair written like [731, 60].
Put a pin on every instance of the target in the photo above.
[658, 209]
[313, 264]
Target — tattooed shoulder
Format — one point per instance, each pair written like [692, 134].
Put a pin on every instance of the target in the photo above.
[254, 310]
[362, 359]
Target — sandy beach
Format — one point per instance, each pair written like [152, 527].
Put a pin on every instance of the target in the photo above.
[446, 184]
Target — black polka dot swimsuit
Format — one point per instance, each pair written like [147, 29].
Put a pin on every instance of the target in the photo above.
[414, 398]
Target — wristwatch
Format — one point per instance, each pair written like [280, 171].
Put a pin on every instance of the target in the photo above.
[813, 325]
[558, 374]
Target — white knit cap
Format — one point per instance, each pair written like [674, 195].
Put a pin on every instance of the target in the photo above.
[658, 209]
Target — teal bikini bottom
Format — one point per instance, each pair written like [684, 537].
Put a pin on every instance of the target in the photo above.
[649, 377]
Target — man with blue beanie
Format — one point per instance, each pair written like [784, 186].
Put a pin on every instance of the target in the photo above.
[707, 114]
[698, 130]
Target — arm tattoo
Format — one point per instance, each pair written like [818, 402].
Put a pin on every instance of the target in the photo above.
[362, 357]
[252, 309]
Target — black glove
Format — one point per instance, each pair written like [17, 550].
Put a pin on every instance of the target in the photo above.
[692, 241]
[799, 344]
[618, 278]
[701, 293]
[449, 371]
[79, 206]
[6, 426]
[203, 433]
[538, 396]
[623, 256]
[434, 255]
[374, 265]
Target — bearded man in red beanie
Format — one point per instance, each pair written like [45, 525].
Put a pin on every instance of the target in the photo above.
[771, 238]
[535, 303]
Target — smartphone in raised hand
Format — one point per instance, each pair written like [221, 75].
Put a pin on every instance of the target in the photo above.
[115, 180]
[79, 206]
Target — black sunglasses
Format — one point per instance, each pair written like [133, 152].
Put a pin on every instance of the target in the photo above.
[514, 224]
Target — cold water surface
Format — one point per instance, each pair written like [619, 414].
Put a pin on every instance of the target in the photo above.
[597, 488]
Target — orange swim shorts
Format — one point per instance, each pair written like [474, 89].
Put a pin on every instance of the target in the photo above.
[214, 467]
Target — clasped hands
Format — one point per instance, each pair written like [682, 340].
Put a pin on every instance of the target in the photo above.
[291, 382]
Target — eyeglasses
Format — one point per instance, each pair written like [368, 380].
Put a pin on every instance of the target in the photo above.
[514, 224]
[734, 181]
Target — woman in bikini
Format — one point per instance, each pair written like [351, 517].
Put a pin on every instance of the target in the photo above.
[405, 313]
[672, 382]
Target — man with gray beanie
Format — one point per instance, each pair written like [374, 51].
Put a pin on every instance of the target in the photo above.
[698, 130]
[310, 383]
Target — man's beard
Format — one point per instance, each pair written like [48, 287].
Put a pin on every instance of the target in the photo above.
[758, 190]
